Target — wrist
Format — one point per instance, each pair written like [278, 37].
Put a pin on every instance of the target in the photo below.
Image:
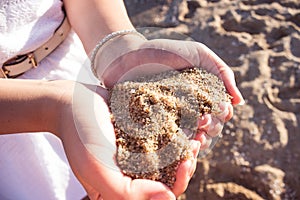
[112, 48]
[59, 105]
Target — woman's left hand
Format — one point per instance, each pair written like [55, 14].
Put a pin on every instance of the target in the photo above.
[128, 57]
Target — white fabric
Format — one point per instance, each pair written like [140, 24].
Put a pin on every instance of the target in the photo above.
[26, 24]
[34, 165]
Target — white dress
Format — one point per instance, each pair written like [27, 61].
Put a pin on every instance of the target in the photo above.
[34, 165]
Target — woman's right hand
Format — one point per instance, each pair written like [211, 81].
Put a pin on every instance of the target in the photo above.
[89, 140]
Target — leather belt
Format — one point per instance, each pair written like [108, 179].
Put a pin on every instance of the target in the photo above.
[22, 63]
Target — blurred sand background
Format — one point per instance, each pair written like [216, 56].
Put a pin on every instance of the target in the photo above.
[259, 154]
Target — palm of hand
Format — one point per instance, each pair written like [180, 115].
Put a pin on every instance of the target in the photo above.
[89, 142]
[154, 56]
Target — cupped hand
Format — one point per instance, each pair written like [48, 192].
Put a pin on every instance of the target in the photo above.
[89, 141]
[132, 57]
[141, 57]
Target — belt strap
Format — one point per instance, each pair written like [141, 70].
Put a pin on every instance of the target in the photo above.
[20, 64]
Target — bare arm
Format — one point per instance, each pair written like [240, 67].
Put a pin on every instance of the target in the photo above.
[27, 106]
[30, 105]
[94, 19]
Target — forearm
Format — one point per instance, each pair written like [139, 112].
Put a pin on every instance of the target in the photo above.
[26, 106]
[94, 19]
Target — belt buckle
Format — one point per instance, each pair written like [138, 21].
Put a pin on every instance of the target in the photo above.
[10, 62]
[16, 60]
[32, 60]
[4, 71]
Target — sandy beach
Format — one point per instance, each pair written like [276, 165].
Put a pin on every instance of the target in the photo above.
[258, 156]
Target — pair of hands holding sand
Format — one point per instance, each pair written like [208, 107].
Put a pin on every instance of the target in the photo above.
[91, 151]
[79, 115]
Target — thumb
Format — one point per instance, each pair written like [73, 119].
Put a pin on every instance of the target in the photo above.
[213, 63]
[109, 183]
[147, 189]
[112, 184]
[91, 192]
[115, 185]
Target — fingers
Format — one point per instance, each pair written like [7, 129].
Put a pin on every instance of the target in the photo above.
[210, 61]
[122, 187]
[171, 54]
[217, 121]
[208, 121]
[146, 189]
[204, 123]
[226, 112]
[186, 170]
[165, 54]
[229, 81]
[183, 176]
[210, 126]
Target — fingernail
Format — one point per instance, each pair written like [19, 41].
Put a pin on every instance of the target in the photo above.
[163, 196]
[242, 102]
[239, 95]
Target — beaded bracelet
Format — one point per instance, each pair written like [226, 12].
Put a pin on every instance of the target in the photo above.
[106, 39]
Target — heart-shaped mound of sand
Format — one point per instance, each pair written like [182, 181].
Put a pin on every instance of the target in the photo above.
[154, 118]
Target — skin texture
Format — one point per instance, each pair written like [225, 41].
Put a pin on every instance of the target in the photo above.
[52, 105]
[94, 19]
[30, 103]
